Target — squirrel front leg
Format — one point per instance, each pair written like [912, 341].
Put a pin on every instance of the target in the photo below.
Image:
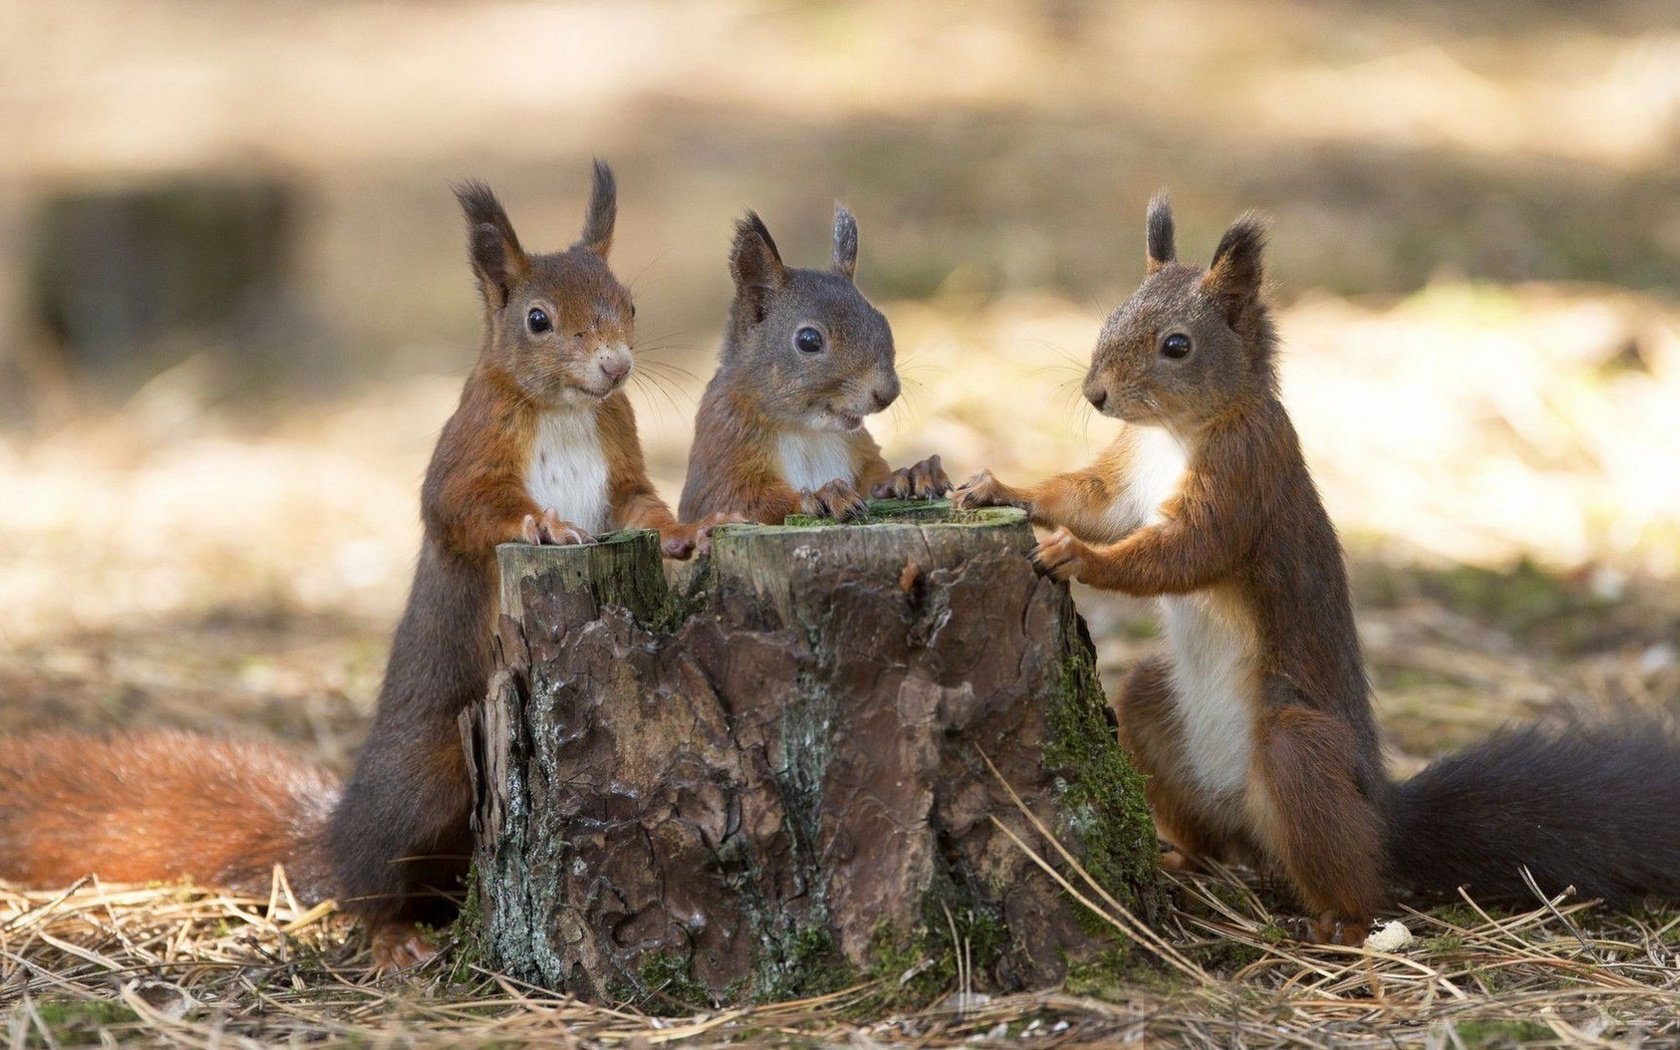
[641, 508]
[924, 480]
[769, 499]
[837, 499]
[1205, 532]
[472, 515]
[1080, 501]
[678, 539]
[1168, 558]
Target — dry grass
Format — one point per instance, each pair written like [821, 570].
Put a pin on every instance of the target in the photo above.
[187, 967]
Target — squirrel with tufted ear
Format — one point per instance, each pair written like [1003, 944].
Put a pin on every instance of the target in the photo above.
[1255, 726]
[805, 359]
[542, 448]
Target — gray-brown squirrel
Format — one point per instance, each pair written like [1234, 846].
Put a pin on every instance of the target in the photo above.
[805, 358]
[1255, 727]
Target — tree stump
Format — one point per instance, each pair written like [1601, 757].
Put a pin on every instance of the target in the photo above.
[765, 774]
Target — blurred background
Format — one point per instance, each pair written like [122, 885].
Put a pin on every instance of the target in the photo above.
[235, 309]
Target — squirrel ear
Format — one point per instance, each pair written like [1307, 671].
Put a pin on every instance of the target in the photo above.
[1235, 273]
[755, 264]
[845, 242]
[492, 246]
[1158, 232]
[603, 211]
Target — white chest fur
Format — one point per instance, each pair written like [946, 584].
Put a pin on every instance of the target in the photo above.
[568, 470]
[813, 458]
[1214, 678]
[1157, 464]
[1212, 645]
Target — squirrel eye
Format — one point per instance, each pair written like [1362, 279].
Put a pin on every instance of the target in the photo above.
[1176, 345]
[808, 340]
[537, 320]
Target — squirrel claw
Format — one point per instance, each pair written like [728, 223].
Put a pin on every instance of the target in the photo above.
[677, 542]
[983, 490]
[1328, 929]
[551, 529]
[703, 533]
[1060, 556]
[695, 537]
[924, 480]
[837, 500]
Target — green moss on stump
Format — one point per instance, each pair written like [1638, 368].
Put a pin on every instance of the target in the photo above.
[905, 512]
[1101, 791]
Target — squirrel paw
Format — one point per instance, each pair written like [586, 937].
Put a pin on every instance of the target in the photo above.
[398, 946]
[1329, 929]
[925, 480]
[837, 500]
[1061, 556]
[550, 529]
[984, 490]
[1175, 859]
[686, 538]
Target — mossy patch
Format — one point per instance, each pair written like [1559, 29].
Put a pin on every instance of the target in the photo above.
[83, 1017]
[466, 933]
[806, 963]
[665, 984]
[1101, 792]
[1491, 1034]
[957, 933]
[909, 512]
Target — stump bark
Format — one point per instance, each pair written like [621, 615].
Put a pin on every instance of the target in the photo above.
[765, 775]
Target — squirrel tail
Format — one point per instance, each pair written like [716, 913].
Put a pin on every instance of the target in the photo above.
[1596, 807]
[160, 806]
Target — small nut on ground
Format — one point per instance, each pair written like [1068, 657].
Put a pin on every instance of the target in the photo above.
[1390, 937]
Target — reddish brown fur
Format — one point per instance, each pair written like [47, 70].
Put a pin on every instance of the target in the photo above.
[400, 838]
[1317, 820]
[160, 806]
[1245, 531]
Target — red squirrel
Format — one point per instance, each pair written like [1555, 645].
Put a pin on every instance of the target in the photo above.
[1255, 727]
[805, 358]
[543, 449]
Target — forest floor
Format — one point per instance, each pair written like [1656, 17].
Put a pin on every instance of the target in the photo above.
[1500, 461]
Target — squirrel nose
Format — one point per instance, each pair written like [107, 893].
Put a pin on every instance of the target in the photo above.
[1098, 398]
[616, 368]
[886, 395]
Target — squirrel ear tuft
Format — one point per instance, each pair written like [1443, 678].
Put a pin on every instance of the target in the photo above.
[1236, 272]
[603, 211]
[1158, 233]
[492, 246]
[845, 242]
[755, 264]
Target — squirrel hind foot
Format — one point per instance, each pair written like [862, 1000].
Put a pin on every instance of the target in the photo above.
[399, 946]
[1329, 929]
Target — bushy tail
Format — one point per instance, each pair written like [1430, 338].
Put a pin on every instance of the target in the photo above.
[1596, 807]
[161, 806]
